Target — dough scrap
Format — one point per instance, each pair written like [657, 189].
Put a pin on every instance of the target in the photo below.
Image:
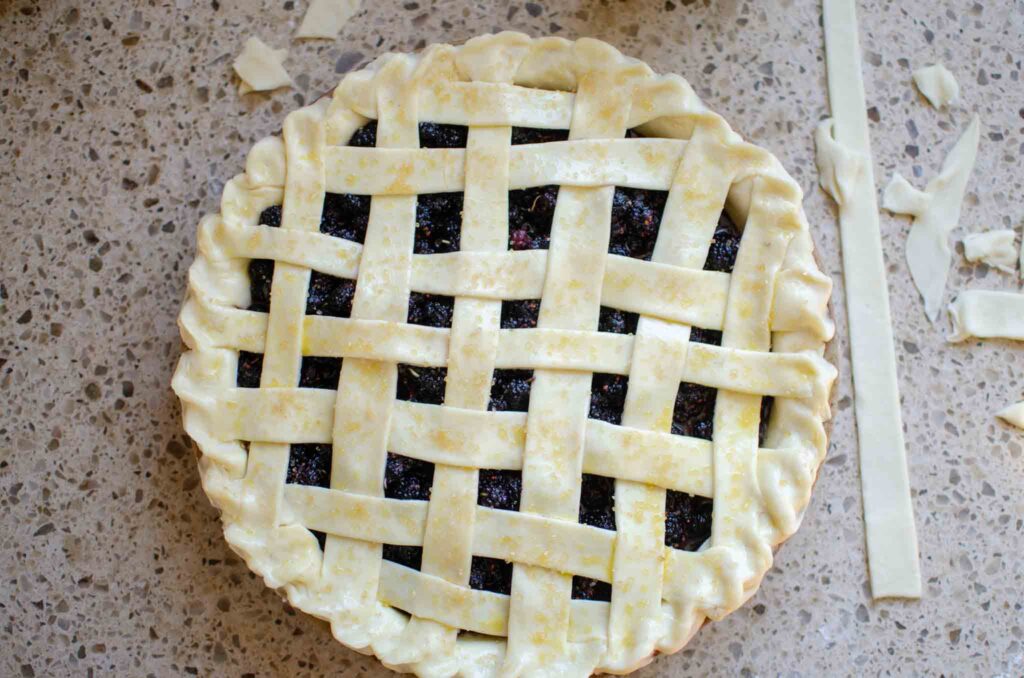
[987, 314]
[936, 211]
[994, 248]
[261, 67]
[1014, 414]
[839, 167]
[937, 85]
[325, 18]
[844, 163]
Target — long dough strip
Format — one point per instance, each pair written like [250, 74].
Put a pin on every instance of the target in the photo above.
[845, 165]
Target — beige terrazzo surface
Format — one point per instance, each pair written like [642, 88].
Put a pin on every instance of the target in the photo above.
[120, 124]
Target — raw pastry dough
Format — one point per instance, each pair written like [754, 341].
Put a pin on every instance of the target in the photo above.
[936, 211]
[261, 67]
[994, 248]
[845, 166]
[987, 314]
[772, 310]
[326, 18]
[937, 85]
[1014, 414]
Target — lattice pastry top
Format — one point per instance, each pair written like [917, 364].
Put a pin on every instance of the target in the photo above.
[442, 372]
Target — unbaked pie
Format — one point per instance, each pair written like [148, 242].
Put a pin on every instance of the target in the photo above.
[507, 359]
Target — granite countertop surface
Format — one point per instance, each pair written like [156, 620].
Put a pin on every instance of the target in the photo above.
[120, 124]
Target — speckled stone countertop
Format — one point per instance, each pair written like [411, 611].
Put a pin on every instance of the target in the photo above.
[120, 125]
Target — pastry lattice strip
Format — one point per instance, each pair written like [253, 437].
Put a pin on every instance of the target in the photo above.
[364, 421]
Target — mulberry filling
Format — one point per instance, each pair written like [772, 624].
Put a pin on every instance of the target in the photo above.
[635, 218]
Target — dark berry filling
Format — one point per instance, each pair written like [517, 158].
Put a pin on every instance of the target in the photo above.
[695, 404]
[271, 216]
[694, 411]
[608, 397]
[491, 574]
[585, 588]
[432, 310]
[510, 391]
[521, 314]
[365, 136]
[534, 135]
[310, 464]
[597, 501]
[407, 478]
[421, 384]
[319, 372]
[531, 210]
[438, 223]
[724, 246]
[328, 295]
[261, 271]
[616, 321]
[499, 489]
[439, 215]
[345, 215]
[530, 213]
[687, 520]
[250, 368]
[261, 274]
[635, 219]
[699, 335]
[436, 135]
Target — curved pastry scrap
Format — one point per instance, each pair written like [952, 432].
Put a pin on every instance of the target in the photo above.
[1014, 414]
[987, 314]
[994, 248]
[771, 310]
[936, 212]
[840, 168]
[261, 68]
[937, 85]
